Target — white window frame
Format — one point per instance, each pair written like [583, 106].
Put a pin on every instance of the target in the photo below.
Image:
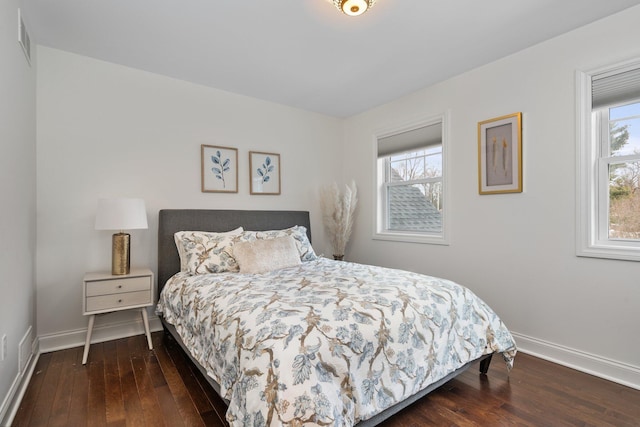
[592, 237]
[380, 230]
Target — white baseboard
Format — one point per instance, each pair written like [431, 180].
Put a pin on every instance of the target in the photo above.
[101, 333]
[12, 400]
[592, 364]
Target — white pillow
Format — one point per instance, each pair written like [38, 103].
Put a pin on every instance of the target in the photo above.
[298, 232]
[204, 252]
[264, 255]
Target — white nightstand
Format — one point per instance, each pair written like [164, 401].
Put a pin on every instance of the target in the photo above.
[105, 293]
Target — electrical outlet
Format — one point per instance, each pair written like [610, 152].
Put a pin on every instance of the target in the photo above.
[3, 347]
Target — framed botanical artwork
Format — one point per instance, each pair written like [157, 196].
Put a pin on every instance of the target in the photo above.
[219, 169]
[500, 155]
[264, 173]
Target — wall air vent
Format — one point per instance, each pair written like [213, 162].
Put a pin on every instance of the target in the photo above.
[25, 350]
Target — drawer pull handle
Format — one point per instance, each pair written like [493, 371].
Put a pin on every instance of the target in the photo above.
[119, 286]
[119, 301]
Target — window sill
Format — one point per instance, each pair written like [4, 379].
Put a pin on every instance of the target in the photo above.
[610, 252]
[429, 239]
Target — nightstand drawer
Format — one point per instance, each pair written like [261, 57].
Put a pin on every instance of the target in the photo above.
[116, 286]
[117, 301]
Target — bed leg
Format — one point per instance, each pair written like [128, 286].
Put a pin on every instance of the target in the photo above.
[484, 364]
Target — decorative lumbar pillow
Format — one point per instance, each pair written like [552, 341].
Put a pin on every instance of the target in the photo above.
[264, 255]
[298, 232]
[203, 252]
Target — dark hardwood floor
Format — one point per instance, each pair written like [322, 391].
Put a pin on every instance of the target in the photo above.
[125, 384]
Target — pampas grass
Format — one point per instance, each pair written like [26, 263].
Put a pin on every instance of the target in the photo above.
[337, 214]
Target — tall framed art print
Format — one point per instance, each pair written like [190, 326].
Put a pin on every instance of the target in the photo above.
[500, 155]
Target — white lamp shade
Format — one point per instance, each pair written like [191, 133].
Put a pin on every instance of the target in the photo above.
[121, 214]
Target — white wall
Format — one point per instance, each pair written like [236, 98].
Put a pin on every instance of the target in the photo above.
[106, 130]
[18, 195]
[517, 251]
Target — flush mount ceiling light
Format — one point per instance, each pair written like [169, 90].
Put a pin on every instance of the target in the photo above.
[353, 7]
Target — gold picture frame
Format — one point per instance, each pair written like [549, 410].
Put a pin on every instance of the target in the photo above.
[219, 169]
[500, 155]
[264, 173]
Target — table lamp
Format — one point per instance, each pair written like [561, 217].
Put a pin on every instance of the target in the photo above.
[120, 214]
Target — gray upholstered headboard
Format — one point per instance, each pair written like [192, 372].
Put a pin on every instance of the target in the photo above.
[172, 220]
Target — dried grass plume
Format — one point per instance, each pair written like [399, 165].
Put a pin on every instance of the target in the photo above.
[337, 214]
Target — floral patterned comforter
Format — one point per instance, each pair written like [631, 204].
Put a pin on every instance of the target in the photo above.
[327, 342]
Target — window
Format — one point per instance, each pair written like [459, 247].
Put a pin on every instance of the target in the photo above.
[609, 162]
[411, 186]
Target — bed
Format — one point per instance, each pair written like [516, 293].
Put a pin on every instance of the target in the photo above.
[314, 343]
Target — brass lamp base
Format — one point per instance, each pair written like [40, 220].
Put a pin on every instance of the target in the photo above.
[120, 252]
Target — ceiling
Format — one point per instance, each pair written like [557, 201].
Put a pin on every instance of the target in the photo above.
[305, 53]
